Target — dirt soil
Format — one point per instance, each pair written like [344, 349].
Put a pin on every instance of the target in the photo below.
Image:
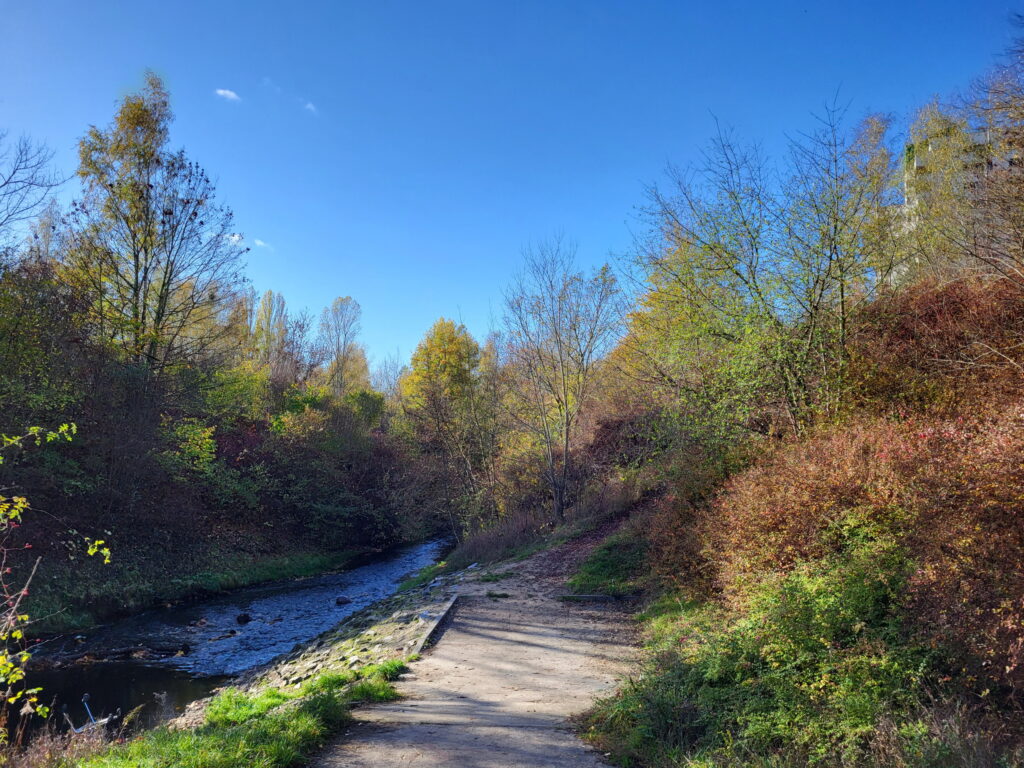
[498, 687]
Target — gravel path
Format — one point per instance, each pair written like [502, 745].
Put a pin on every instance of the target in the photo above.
[497, 688]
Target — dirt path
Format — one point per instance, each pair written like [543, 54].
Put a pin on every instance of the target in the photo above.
[497, 688]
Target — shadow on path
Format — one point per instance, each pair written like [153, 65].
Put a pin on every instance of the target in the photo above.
[497, 689]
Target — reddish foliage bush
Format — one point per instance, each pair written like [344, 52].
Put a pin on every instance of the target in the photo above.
[936, 347]
[677, 532]
[950, 489]
[944, 474]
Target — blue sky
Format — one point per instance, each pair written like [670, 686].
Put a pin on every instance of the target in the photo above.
[405, 152]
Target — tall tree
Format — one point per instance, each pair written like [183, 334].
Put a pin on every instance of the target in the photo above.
[152, 246]
[340, 324]
[280, 343]
[450, 398]
[560, 324]
[760, 269]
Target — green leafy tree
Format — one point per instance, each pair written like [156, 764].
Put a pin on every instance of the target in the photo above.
[451, 399]
[755, 273]
[152, 247]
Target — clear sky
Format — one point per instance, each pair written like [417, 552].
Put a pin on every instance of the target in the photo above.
[405, 152]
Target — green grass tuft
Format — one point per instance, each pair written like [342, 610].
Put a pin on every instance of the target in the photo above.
[616, 567]
[268, 729]
[490, 578]
[372, 689]
[233, 707]
[386, 670]
[424, 577]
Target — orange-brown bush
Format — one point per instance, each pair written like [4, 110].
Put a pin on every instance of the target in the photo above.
[936, 347]
[950, 489]
[935, 460]
[676, 529]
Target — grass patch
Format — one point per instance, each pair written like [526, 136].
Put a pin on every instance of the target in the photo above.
[268, 729]
[372, 689]
[616, 567]
[497, 595]
[277, 738]
[233, 707]
[491, 578]
[424, 577]
[386, 670]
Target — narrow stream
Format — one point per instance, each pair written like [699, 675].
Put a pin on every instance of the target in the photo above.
[164, 659]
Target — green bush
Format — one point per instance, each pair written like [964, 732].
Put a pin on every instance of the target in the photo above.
[809, 669]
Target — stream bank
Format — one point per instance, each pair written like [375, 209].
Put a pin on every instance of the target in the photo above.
[162, 660]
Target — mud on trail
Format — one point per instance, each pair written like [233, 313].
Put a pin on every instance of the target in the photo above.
[498, 686]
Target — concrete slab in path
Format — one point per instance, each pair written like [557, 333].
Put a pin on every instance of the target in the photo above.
[497, 689]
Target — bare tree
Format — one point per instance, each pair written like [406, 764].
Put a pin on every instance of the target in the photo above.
[560, 324]
[387, 374]
[26, 181]
[281, 342]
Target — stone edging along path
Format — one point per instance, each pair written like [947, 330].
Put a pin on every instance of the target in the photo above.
[513, 663]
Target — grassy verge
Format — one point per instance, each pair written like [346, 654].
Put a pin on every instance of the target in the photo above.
[814, 668]
[425, 575]
[617, 567]
[270, 729]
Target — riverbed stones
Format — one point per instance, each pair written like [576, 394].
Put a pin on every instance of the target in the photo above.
[385, 630]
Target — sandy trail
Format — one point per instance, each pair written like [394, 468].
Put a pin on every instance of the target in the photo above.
[497, 688]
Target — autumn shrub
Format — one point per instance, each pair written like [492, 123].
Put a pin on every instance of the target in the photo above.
[678, 555]
[949, 489]
[937, 347]
[819, 657]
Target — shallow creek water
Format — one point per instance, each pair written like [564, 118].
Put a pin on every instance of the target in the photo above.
[164, 659]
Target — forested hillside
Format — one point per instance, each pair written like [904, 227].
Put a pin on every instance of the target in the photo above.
[801, 392]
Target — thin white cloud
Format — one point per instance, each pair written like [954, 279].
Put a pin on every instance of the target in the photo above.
[273, 86]
[235, 238]
[227, 93]
[262, 244]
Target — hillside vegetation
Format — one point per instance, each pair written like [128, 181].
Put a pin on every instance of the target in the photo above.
[801, 394]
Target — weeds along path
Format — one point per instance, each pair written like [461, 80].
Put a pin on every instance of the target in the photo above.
[497, 688]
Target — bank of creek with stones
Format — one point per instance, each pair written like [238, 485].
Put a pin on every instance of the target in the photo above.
[507, 661]
[396, 627]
